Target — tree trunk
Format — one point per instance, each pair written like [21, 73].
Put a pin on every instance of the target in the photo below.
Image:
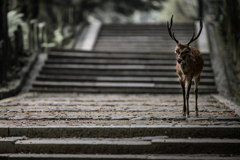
[4, 55]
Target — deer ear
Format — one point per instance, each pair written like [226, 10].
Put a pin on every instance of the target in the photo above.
[192, 57]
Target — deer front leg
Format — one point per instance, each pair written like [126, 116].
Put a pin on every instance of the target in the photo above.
[196, 93]
[188, 83]
[183, 92]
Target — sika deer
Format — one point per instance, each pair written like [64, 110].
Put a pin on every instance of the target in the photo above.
[189, 66]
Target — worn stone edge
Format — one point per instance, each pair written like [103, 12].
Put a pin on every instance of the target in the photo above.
[78, 31]
[91, 37]
[232, 105]
[117, 127]
[113, 156]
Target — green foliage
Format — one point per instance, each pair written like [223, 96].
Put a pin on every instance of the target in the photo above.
[184, 11]
[125, 7]
[58, 36]
[15, 19]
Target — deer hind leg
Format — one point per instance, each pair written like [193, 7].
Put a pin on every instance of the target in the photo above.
[183, 92]
[196, 93]
[188, 83]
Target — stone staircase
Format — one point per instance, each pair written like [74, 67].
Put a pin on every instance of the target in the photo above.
[153, 38]
[108, 72]
[126, 59]
[116, 126]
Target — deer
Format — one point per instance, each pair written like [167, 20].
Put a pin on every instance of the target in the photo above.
[189, 65]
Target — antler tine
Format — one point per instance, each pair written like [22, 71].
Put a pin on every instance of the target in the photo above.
[175, 39]
[193, 39]
[169, 30]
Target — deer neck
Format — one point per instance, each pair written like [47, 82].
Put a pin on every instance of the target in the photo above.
[185, 67]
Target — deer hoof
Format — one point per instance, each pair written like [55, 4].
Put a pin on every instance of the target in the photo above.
[187, 116]
[184, 114]
[196, 114]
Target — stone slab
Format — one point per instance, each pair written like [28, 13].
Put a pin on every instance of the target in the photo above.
[117, 156]
[78, 146]
[3, 131]
[196, 146]
[4, 156]
[178, 131]
[164, 146]
[75, 157]
[7, 144]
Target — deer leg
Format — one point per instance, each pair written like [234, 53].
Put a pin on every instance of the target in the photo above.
[183, 92]
[188, 86]
[196, 93]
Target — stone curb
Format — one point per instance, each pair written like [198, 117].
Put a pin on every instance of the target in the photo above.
[232, 105]
[114, 157]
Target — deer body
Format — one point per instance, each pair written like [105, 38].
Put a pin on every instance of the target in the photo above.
[189, 66]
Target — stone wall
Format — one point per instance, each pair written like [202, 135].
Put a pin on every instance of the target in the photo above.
[223, 59]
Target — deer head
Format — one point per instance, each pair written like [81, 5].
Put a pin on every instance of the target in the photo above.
[183, 51]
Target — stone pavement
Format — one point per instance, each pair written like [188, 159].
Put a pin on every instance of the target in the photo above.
[116, 126]
[112, 109]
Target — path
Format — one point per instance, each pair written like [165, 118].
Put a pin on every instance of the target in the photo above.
[125, 103]
[116, 124]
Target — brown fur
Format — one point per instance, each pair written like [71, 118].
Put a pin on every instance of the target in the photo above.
[190, 67]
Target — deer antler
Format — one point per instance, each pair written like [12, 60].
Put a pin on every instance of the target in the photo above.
[170, 33]
[194, 38]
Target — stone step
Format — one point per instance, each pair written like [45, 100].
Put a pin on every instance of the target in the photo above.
[139, 49]
[117, 156]
[154, 39]
[114, 56]
[57, 50]
[145, 26]
[140, 40]
[115, 67]
[118, 73]
[133, 118]
[113, 84]
[163, 46]
[153, 44]
[118, 79]
[150, 33]
[105, 109]
[207, 63]
[113, 131]
[154, 99]
[129, 90]
[158, 145]
[114, 115]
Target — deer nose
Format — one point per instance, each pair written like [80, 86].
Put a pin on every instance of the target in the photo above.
[179, 61]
